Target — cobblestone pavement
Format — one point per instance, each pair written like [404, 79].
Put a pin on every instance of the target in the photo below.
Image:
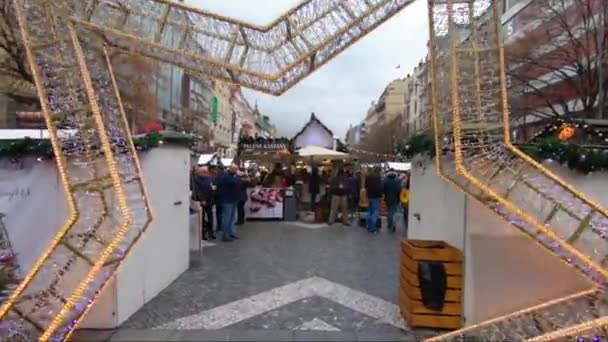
[132, 335]
[288, 279]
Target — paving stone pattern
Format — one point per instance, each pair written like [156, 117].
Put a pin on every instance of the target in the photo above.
[273, 254]
[130, 335]
[276, 255]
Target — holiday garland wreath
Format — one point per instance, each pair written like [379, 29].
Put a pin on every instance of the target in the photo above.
[19, 148]
[575, 157]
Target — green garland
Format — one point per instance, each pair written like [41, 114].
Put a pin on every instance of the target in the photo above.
[19, 148]
[418, 144]
[576, 157]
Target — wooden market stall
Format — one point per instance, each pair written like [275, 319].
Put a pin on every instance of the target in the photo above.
[266, 199]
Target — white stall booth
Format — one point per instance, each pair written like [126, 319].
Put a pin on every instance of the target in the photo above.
[159, 257]
[504, 269]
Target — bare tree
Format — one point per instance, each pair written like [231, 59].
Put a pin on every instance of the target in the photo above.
[381, 139]
[135, 74]
[558, 68]
[16, 80]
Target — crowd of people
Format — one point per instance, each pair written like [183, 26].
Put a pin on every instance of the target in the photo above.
[345, 189]
[225, 190]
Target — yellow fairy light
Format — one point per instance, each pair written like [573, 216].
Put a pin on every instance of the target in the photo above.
[116, 183]
[272, 78]
[59, 160]
[143, 187]
[461, 168]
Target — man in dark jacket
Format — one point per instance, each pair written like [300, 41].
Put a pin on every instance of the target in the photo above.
[373, 186]
[392, 190]
[245, 182]
[204, 194]
[314, 187]
[228, 191]
[338, 191]
[354, 190]
[218, 170]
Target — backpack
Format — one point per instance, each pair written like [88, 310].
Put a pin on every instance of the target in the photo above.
[404, 197]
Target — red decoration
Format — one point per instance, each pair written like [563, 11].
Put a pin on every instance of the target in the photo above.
[154, 126]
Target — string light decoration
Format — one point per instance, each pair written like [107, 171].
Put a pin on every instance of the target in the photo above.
[470, 114]
[98, 167]
[102, 178]
[108, 209]
[587, 132]
[270, 58]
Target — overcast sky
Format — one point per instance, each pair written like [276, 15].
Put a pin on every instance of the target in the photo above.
[341, 91]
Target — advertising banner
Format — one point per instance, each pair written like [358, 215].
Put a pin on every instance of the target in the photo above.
[264, 203]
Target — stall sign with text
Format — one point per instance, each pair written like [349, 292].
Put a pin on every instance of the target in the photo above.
[263, 147]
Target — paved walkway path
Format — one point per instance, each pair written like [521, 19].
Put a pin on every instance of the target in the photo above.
[283, 281]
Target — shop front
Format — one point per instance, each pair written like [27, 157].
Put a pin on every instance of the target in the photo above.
[265, 162]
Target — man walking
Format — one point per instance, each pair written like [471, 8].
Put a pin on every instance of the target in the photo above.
[392, 190]
[228, 190]
[339, 199]
[204, 194]
[373, 186]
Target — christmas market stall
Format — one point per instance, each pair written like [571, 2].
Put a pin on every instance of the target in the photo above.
[259, 155]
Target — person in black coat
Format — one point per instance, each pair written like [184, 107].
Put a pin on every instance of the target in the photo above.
[354, 191]
[246, 182]
[228, 187]
[373, 185]
[216, 196]
[203, 193]
[314, 187]
[392, 192]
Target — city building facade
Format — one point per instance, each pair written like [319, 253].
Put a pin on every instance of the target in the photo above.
[418, 117]
[390, 105]
[555, 63]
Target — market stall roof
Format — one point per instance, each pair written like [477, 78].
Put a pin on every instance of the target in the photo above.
[320, 153]
[399, 166]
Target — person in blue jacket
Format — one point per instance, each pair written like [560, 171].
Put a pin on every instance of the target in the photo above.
[228, 191]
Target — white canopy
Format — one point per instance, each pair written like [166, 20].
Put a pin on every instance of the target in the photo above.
[321, 153]
[205, 159]
[399, 166]
[226, 161]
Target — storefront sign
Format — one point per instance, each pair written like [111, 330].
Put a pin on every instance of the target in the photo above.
[262, 147]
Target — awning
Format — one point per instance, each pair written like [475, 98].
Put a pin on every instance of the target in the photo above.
[206, 159]
[399, 166]
[321, 153]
